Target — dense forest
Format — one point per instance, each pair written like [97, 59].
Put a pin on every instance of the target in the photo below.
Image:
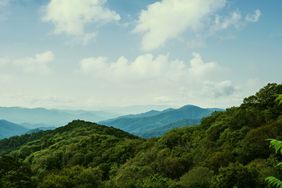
[228, 149]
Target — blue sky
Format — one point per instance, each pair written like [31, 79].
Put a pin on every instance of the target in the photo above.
[93, 54]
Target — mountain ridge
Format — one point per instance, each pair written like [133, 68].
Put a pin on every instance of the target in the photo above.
[142, 124]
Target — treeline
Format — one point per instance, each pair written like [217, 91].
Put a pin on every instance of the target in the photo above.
[228, 149]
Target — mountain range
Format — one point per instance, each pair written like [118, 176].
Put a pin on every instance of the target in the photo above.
[155, 123]
[227, 149]
[40, 117]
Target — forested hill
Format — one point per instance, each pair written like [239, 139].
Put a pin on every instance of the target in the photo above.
[228, 149]
[74, 132]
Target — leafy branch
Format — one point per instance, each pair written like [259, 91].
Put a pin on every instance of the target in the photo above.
[273, 181]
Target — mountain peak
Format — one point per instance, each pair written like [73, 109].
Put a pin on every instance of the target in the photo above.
[154, 123]
[191, 106]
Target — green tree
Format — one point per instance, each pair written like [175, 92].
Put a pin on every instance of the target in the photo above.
[235, 175]
[14, 174]
[198, 177]
[73, 177]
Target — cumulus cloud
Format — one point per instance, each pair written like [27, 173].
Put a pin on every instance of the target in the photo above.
[200, 68]
[72, 16]
[168, 19]
[147, 66]
[37, 64]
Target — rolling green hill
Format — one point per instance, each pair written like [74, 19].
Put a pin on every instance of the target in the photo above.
[228, 149]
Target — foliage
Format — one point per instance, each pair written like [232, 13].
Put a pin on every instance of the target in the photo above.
[13, 143]
[276, 145]
[279, 99]
[74, 176]
[273, 181]
[198, 177]
[14, 174]
[235, 175]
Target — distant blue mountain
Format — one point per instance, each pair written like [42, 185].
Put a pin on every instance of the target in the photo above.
[8, 129]
[155, 123]
[41, 117]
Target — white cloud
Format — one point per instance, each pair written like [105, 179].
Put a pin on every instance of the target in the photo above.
[234, 20]
[146, 67]
[38, 64]
[169, 18]
[200, 68]
[93, 64]
[72, 16]
[254, 17]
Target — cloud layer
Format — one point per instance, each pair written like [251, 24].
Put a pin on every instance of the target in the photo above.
[149, 67]
[38, 64]
[159, 78]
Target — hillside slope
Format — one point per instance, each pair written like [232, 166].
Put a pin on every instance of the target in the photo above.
[155, 123]
[228, 149]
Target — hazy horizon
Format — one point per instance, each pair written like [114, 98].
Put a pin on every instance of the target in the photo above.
[115, 110]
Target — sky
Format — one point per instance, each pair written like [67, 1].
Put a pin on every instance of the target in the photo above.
[95, 54]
